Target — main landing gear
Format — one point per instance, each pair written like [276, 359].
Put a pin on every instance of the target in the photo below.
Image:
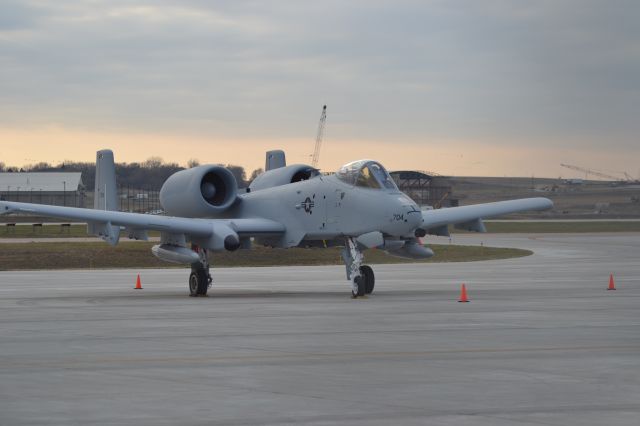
[361, 276]
[200, 278]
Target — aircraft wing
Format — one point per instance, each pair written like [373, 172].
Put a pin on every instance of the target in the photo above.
[470, 217]
[200, 229]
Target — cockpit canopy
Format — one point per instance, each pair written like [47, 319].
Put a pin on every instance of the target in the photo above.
[367, 174]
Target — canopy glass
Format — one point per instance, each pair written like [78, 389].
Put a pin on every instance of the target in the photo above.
[366, 174]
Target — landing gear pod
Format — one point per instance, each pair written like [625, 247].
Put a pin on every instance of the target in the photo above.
[412, 250]
[175, 254]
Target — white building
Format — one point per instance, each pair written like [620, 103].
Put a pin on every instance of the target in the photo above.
[64, 189]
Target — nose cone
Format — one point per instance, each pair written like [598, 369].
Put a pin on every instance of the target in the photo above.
[414, 218]
[413, 213]
[404, 216]
[411, 219]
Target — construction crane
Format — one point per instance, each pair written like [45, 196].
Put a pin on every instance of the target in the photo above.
[438, 204]
[588, 172]
[316, 151]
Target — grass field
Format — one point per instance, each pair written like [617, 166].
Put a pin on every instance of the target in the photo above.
[73, 231]
[89, 255]
[50, 231]
[558, 227]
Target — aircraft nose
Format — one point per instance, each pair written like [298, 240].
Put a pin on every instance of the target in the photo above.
[414, 218]
[413, 215]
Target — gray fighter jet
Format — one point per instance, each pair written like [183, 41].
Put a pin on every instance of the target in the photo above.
[358, 207]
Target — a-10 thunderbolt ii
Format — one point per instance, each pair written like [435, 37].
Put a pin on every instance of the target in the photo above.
[359, 207]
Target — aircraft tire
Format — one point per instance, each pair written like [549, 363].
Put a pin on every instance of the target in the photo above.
[198, 283]
[369, 278]
[360, 287]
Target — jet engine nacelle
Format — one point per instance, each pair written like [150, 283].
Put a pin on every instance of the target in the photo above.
[199, 192]
[283, 176]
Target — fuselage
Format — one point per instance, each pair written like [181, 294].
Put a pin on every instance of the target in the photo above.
[325, 208]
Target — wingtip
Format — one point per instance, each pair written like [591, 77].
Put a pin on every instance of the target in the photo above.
[5, 208]
[542, 203]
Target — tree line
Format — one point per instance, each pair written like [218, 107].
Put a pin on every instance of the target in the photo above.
[149, 174]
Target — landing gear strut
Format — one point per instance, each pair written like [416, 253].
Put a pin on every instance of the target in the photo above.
[361, 276]
[200, 278]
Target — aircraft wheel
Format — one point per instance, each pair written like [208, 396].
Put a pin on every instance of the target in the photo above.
[198, 283]
[369, 278]
[358, 288]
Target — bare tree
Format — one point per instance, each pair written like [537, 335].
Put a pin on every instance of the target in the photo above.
[41, 166]
[255, 174]
[239, 173]
[152, 162]
[192, 163]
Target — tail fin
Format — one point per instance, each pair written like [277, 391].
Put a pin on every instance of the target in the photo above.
[105, 195]
[275, 160]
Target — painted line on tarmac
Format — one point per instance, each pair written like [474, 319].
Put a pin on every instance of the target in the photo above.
[288, 356]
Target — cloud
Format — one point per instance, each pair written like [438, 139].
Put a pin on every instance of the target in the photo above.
[497, 72]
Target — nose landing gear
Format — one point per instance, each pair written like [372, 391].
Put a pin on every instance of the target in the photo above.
[361, 276]
[369, 278]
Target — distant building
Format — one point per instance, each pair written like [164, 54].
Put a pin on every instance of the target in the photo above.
[574, 181]
[62, 189]
[425, 189]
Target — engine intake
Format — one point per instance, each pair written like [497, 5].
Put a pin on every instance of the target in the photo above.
[199, 192]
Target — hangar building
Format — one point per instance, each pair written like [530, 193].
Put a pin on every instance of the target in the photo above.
[54, 188]
[426, 189]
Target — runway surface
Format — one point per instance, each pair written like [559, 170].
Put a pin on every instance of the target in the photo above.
[541, 342]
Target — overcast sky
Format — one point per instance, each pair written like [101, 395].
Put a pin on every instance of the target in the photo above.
[490, 87]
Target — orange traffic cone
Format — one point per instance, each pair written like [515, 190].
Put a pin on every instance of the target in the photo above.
[138, 283]
[612, 285]
[463, 295]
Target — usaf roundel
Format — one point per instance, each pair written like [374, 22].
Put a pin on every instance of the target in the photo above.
[308, 204]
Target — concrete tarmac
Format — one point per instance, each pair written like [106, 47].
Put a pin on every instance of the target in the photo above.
[541, 342]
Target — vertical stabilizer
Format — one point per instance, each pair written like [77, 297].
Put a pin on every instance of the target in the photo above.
[275, 160]
[105, 196]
